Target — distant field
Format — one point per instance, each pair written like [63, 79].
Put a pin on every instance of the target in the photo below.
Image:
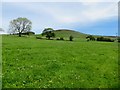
[28, 62]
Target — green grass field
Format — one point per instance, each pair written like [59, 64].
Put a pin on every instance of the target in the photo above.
[28, 62]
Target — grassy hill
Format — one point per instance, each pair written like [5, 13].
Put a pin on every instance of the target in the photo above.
[67, 33]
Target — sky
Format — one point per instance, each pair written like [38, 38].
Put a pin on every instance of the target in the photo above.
[96, 17]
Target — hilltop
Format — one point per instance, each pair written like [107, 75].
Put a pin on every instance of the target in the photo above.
[76, 34]
[67, 33]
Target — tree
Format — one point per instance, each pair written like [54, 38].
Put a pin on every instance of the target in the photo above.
[105, 39]
[20, 25]
[90, 37]
[48, 32]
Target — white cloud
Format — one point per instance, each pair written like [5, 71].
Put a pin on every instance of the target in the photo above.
[90, 12]
[60, 0]
[84, 14]
[98, 12]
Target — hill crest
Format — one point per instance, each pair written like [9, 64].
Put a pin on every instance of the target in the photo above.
[67, 33]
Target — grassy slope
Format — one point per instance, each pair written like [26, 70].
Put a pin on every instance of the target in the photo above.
[78, 36]
[67, 33]
[28, 62]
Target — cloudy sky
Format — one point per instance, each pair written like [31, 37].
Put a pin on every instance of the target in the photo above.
[96, 17]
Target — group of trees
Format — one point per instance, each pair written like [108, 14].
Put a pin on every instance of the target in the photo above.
[90, 37]
[22, 26]
[104, 39]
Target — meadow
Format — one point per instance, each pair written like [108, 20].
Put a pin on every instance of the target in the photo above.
[28, 62]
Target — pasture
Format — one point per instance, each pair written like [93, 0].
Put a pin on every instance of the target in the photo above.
[31, 63]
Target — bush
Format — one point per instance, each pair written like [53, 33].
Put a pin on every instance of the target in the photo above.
[57, 39]
[90, 37]
[38, 37]
[61, 38]
[104, 39]
[71, 38]
[118, 39]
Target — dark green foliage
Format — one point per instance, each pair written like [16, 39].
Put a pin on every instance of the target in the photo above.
[48, 32]
[38, 37]
[90, 37]
[57, 39]
[28, 33]
[104, 39]
[71, 38]
[118, 39]
[61, 38]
